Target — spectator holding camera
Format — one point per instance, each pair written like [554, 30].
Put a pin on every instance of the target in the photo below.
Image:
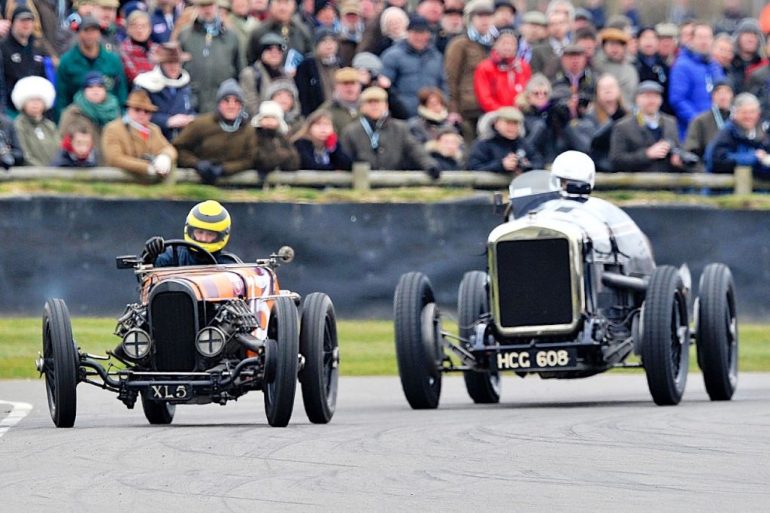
[707, 125]
[648, 140]
[272, 149]
[11, 153]
[742, 141]
[318, 146]
[506, 151]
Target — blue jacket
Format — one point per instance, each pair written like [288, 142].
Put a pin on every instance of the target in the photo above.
[171, 101]
[161, 30]
[410, 71]
[690, 83]
[732, 148]
[180, 255]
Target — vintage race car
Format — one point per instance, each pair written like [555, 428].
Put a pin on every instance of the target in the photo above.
[571, 290]
[202, 334]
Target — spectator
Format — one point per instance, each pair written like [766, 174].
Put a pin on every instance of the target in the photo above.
[169, 88]
[505, 151]
[758, 84]
[667, 42]
[39, 139]
[11, 153]
[432, 115]
[239, 21]
[583, 19]
[629, 10]
[318, 146]
[284, 93]
[383, 142]
[545, 56]
[51, 34]
[369, 68]
[598, 12]
[732, 16]
[534, 30]
[446, 149]
[136, 145]
[500, 78]
[693, 77]
[215, 54]
[256, 78]
[749, 43]
[164, 18]
[431, 10]
[463, 55]
[504, 15]
[535, 105]
[644, 141]
[21, 56]
[77, 148]
[281, 22]
[575, 74]
[650, 65]
[722, 51]
[92, 106]
[742, 141]
[324, 15]
[450, 26]
[272, 150]
[615, 62]
[343, 105]
[88, 55]
[389, 27]
[106, 12]
[137, 51]
[351, 30]
[413, 64]
[221, 142]
[589, 40]
[315, 74]
[705, 126]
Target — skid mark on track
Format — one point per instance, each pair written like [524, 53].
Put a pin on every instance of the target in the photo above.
[18, 412]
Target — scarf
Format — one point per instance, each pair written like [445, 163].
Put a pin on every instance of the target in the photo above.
[486, 40]
[99, 113]
[432, 117]
[213, 28]
[144, 131]
[234, 125]
[719, 116]
[372, 129]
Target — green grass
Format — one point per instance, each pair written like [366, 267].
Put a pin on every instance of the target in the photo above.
[366, 347]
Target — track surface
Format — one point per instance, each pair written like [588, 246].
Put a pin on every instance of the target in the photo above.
[596, 444]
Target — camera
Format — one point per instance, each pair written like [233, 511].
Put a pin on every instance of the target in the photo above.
[7, 160]
[688, 158]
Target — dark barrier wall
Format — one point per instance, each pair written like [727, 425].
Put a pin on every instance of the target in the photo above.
[65, 247]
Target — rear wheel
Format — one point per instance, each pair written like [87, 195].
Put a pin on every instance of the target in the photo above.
[318, 344]
[717, 340]
[158, 412]
[472, 303]
[418, 344]
[665, 336]
[60, 363]
[280, 391]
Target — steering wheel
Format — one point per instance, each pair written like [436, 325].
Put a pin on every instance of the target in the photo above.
[181, 242]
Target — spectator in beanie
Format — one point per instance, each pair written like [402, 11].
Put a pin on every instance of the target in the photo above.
[315, 74]
[32, 97]
[169, 88]
[383, 142]
[742, 141]
[21, 56]
[88, 55]
[369, 68]
[432, 115]
[749, 42]
[705, 127]
[505, 151]
[11, 153]
[214, 52]
[273, 149]
[343, 105]
[500, 78]
[221, 142]
[77, 148]
[284, 93]
[136, 145]
[318, 146]
[615, 62]
[281, 22]
[446, 149]
[256, 78]
[137, 51]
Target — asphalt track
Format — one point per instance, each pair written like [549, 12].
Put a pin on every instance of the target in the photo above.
[597, 444]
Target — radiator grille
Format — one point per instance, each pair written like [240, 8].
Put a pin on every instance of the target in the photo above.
[534, 282]
[173, 319]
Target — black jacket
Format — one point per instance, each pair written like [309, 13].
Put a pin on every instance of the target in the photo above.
[658, 71]
[332, 161]
[309, 85]
[18, 62]
[488, 154]
[181, 255]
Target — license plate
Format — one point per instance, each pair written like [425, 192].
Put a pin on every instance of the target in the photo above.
[537, 359]
[169, 392]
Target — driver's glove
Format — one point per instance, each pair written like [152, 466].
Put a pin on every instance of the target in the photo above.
[152, 248]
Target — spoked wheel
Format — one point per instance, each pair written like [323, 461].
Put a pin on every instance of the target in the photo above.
[158, 412]
[60, 363]
[665, 336]
[280, 390]
[717, 339]
[418, 341]
[318, 344]
[472, 303]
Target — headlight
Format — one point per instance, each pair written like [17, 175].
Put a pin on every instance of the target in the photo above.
[136, 343]
[210, 341]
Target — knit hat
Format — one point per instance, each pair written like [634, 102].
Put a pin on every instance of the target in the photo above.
[94, 78]
[748, 25]
[229, 87]
[369, 62]
[270, 39]
[281, 84]
[32, 87]
[418, 23]
[322, 33]
[270, 109]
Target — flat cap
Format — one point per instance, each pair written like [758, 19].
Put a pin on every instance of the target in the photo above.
[374, 93]
[535, 18]
[343, 75]
[509, 114]
[475, 7]
[667, 30]
[573, 49]
[649, 86]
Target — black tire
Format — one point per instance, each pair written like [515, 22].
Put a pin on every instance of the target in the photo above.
[279, 393]
[158, 412]
[419, 357]
[60, 363]
[717, 338]
[665, 336]
[472, 303]
[318, 344]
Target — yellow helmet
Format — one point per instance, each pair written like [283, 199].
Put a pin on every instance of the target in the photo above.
[212, 217]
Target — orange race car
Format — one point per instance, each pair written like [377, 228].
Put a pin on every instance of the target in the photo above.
[202, 334]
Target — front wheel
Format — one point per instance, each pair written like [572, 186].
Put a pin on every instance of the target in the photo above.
[60, 363]
[282, 385]
[158, 412]
[717, 339]
[665, 336]
[318, 344]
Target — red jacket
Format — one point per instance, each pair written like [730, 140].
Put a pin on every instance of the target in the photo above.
[497, 83]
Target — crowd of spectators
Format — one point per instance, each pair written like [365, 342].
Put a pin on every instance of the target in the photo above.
[221, 86]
